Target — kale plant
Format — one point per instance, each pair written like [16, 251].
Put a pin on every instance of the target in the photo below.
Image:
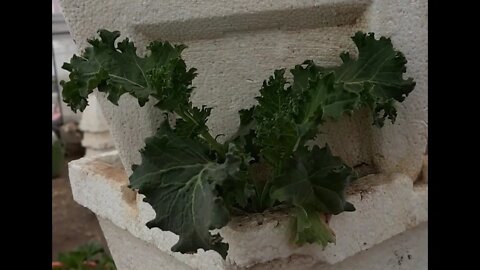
[195, 183]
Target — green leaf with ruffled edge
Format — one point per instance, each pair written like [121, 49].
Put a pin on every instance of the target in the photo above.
[181, 181]
[314, 182]
[116, 69]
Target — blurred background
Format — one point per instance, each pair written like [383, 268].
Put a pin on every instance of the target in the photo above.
[75, 229]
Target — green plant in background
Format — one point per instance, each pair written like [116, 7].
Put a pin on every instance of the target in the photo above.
[58, 154]
[195, 183]
[86, 257]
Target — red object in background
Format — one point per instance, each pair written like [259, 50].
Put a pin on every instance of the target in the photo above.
[56, 113]
[89, 264]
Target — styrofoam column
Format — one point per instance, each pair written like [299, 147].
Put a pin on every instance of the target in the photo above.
[96, 133]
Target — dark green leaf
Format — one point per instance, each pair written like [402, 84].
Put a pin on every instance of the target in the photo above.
[181, 182]
[190, 129]
[288, 116]
[276, 132]
[245, 135]
[238, 191]
[310, 227]
[314, 180]
[377, 75]
[320, 101]
[192, 181]
[116, 69]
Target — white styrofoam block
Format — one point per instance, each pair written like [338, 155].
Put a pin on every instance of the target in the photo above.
[90, 152]
[131, 253]
[98, 140]
[92, 119]
[405, 251]
[401, 147]
[386, 206]
[129, 126]
[236, 44]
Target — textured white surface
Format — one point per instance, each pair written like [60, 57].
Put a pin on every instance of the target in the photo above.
[90, 152]
[96, 136]
[131, 253]
[386, 206]
[98, 141]
[400, 147]
[406, 251]
[92, 118]
[236, 44]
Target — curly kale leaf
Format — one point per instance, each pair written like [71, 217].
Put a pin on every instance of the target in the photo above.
[314, 183]
[116, 69]
[276, 131]
[375, 78]
[181, 181]
[194, 183]
[288, 114]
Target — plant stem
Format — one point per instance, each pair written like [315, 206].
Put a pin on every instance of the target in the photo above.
[213, 143]
[187, 116]
[263, 195]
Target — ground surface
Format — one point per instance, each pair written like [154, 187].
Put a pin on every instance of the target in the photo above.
[72, 224]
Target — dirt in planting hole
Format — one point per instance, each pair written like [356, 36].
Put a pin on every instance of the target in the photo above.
[72, 224]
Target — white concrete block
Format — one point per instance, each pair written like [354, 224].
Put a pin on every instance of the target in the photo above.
[386, 205]
[236, 44]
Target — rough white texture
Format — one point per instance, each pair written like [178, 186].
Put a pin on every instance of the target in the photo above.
[386, 206]
[236, 44]
[98, 141]
[131, 253]
[90, 152]
[92, 119]
[96, 136]
[129, 126]
[400, 147]
[405, 251]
